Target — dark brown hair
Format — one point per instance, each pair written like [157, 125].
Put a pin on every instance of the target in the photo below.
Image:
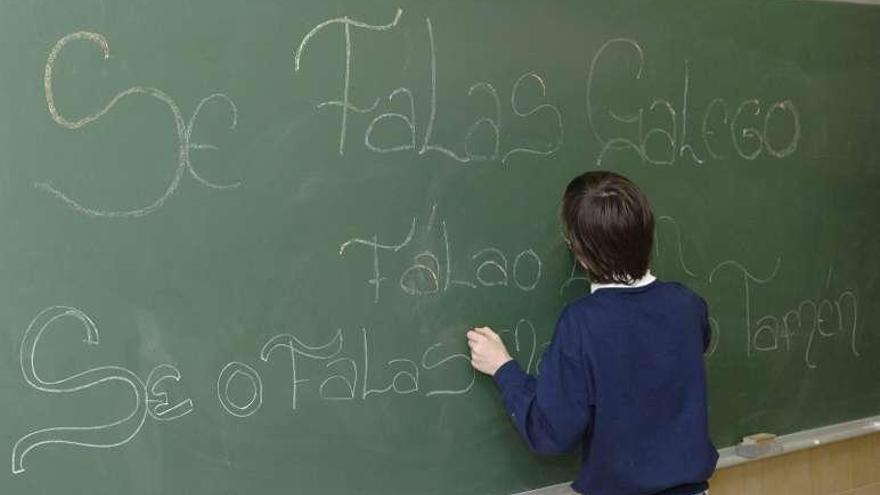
[608, 224]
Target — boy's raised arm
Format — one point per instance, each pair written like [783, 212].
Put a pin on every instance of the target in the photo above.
[552, 411]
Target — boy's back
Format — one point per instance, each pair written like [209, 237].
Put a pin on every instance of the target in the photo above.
[624, 375]
[644, 346]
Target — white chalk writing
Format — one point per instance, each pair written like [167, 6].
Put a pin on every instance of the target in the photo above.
[147, 399]
[184, 130]
[432, 271]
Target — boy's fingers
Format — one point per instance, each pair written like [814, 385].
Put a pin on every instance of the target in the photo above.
[490, 334]
[485, 331]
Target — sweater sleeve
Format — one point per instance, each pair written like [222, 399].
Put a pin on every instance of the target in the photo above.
[552, 412]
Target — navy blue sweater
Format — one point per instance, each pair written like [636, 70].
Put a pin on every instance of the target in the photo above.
[624, 377]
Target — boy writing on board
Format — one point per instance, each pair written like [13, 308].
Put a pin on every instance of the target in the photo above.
[624, 373]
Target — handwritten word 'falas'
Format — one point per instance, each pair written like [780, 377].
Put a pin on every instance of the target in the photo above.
[412, 142]
[328, 371]
[439, 371]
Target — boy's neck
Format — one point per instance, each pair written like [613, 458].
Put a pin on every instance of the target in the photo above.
[646, 279]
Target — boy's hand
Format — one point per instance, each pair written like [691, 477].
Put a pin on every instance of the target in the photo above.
[487, 350]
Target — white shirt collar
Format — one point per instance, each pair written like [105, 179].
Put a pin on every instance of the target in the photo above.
[645, 280]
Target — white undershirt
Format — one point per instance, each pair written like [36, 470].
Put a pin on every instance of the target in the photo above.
[645, 280]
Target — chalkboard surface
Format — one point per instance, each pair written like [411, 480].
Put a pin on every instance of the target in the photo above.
[240, 242]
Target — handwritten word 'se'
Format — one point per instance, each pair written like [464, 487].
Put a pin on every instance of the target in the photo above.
[147, 399]
[183, 127]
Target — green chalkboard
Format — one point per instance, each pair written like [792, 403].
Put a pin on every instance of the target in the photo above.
[240, 242]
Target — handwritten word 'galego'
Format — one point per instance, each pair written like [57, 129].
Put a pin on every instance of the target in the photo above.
[749, 139]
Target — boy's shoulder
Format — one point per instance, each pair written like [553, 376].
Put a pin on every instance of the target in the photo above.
[684, 291]
[590, 314]
[603, 300]
[693, 297]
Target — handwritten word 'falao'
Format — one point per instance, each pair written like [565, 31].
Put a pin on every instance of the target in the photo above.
[433, 270]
